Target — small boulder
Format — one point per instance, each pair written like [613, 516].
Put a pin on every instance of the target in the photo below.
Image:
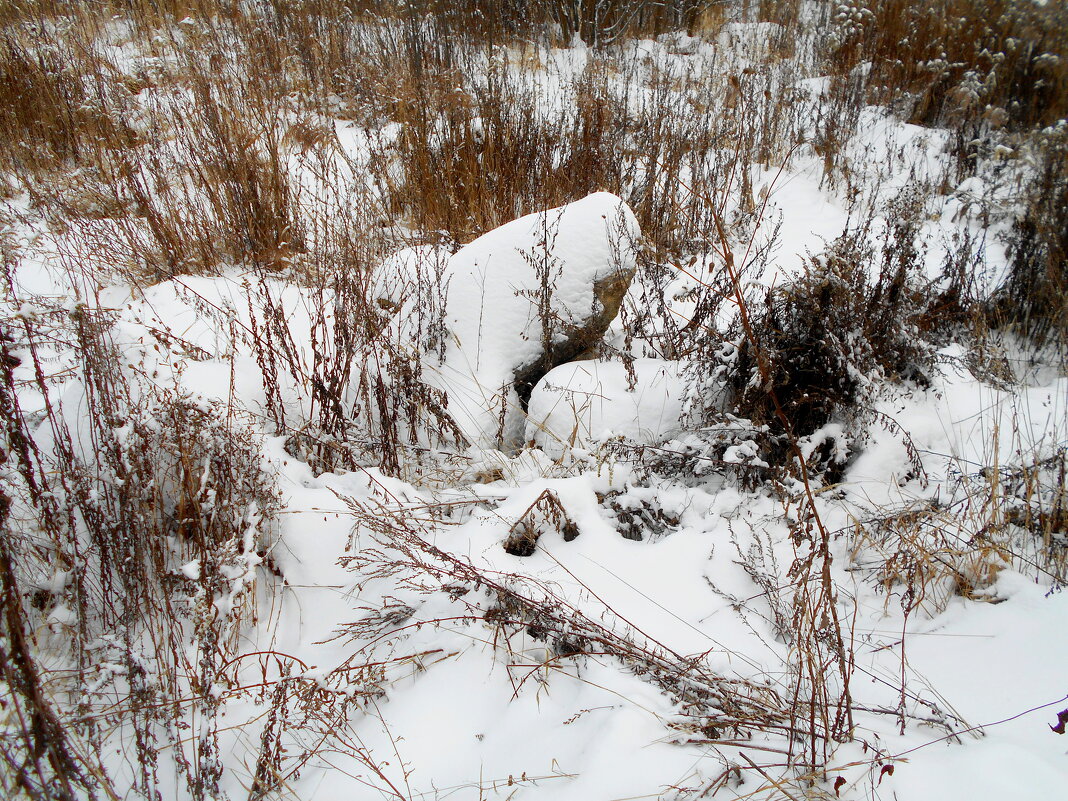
[586, 402]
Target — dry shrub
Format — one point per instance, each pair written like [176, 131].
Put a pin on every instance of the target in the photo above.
[233, 155]
[710, 705]
[600, 23]
[1002, 61]
[989, 72]
[364, 399]
[596, 23]
[821, 658]
[1033, 500]
[1034, 300]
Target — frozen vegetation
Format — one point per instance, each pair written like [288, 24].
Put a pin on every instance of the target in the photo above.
[470, 400]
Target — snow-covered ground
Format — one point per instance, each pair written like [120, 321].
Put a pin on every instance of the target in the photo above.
[572, 619]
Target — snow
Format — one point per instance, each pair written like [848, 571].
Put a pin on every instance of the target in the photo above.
[992, 663]
[581, 403]
[407, 272]
[444, 699]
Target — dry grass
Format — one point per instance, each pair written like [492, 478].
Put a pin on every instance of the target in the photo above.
[1034, 301]
[155, 513]
[217, 107]
[995, 61]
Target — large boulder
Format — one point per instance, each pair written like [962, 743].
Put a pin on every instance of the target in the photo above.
[516, 302]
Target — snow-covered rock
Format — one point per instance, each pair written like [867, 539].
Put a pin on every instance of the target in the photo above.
[519, 300]
[585, 402]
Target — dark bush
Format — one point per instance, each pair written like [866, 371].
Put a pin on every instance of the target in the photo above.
[816, 345]
[1034, 299]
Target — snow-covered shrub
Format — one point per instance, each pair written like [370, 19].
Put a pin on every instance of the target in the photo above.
[813, 350]
[142, 520]
[547, 513]
[1034, 498]
[642, 513]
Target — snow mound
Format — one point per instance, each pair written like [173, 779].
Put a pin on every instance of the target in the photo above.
[582, 403]
[406, 273]
[199, 334]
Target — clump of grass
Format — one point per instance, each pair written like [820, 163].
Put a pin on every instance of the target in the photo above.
[485, 147]
[50, 118]
[923, 558]
[1000, 517]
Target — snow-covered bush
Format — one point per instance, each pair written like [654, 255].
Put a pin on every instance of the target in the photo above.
[813, 351]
